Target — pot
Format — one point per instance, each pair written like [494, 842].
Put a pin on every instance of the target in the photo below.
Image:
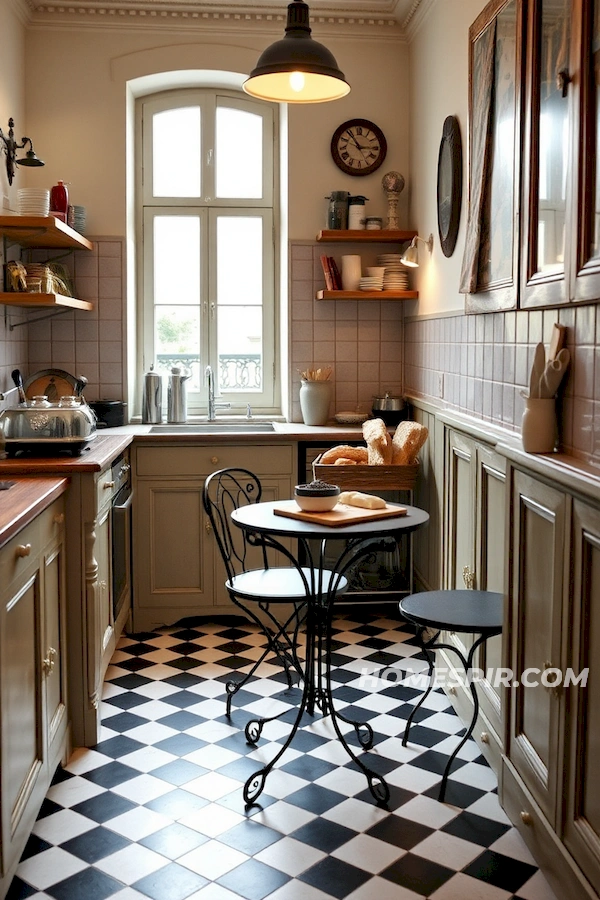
[391, 409]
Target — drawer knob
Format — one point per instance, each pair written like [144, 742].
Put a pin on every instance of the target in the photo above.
[452, 689]
[59, 519]
[484, 737]
[23, 550]
[526, 818]
[214, 459]
[108, 485]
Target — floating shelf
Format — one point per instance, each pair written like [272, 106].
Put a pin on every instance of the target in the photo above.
[367, 295]
[363, 236]
[42, 232]
[40, 301]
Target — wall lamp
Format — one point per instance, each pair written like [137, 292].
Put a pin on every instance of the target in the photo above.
[11, 147]
[297, 69]
[410, 257]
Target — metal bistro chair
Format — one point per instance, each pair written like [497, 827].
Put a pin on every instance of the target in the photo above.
[263, 592]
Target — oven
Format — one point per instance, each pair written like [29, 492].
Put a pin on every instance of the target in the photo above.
[120, 530]
[386, 573]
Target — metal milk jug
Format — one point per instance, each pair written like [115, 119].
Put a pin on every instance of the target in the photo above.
[152, 397]
[176, 396]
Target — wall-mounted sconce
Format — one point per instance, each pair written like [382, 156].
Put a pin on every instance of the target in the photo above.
[11, 147]
[297, 69]
[410, 257]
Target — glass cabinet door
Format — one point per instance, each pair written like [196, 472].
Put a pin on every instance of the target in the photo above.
[547, 152]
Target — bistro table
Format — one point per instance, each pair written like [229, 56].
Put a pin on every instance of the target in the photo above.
[354, 542]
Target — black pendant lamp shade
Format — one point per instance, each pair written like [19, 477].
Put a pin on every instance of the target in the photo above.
[297, 69]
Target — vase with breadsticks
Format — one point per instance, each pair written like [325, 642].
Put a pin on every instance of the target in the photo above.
[315, 395]
[385, 463]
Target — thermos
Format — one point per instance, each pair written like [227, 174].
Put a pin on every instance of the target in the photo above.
[176, 396]
[356, 212]
[152, 397]
[337, 214]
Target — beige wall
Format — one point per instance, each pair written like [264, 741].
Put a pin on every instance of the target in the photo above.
[439, 75]
[80, 118]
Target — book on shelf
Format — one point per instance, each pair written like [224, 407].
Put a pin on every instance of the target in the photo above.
[327, 273]
[335, 274]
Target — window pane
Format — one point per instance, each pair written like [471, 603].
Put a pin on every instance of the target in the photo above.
[177, 339]
[239, 260]
[176, 149]
[239, 336]
[239, 152]
[177, 259]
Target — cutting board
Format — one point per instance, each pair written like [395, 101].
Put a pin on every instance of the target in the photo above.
[339, 516]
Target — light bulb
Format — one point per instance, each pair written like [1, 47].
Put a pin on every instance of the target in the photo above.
[297, 81]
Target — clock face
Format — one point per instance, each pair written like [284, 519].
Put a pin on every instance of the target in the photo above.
[358, 147]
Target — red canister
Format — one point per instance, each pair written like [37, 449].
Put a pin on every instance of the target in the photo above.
[59, 199]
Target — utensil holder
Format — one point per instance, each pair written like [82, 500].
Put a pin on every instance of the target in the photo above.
[538, 426]
[315, 397]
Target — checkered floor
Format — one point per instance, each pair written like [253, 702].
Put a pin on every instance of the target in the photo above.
[155, 810]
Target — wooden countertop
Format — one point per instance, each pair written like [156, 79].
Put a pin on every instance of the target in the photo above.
[95, 457]
[24, 500]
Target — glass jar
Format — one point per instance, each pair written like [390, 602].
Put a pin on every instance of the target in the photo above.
[337, 213]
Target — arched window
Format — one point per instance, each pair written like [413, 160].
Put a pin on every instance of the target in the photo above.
[207, 182]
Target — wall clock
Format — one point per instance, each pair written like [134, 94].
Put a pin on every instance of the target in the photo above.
[358, 147]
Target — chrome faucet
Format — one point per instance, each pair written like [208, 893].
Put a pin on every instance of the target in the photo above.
[212, 404]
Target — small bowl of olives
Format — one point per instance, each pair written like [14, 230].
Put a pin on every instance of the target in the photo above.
[317, 496]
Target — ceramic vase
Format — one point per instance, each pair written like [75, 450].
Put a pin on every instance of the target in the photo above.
[315, 397]
[351, 272]
[538, 426]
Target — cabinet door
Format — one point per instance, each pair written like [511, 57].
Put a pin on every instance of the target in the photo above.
[460, 499]
[548, 123]
[173, 553]
[537, 546]
[53, 651]
[22, 747]
[582, 822]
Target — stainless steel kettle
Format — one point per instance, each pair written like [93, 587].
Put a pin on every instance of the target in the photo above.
[152, 397]
[176, 396]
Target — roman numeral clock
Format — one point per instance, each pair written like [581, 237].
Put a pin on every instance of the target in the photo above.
[358, 147]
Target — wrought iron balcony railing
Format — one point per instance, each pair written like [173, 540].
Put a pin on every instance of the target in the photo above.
[237, 371]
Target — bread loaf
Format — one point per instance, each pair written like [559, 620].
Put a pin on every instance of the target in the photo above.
[366, 501]
[408, 439]
[379, 442]
[358, 454]
[343, 461]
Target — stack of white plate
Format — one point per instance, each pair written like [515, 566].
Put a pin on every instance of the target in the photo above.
[371, 283]
[396, 274]
[76, 218]
[33, 202]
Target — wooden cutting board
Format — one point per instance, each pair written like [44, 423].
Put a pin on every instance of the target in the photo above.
[339, 516]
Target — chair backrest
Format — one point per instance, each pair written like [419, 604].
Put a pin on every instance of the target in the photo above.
[224, 491]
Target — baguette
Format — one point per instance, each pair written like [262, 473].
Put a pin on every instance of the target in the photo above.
[366, 501]
[408, 439]
[358, 454]
[379, 442]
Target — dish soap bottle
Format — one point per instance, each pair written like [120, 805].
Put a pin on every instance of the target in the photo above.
[59, 199]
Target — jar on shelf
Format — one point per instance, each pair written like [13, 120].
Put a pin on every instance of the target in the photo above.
[337, 213]
[356, 212]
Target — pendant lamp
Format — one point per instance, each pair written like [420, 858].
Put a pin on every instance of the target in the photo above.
[297, 69]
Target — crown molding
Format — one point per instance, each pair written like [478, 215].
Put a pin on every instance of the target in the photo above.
[22, 10]
[416, 18]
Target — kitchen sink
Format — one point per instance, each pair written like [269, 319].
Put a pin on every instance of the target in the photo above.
[215, 428]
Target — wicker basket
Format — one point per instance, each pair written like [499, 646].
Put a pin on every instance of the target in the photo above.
[367, 478]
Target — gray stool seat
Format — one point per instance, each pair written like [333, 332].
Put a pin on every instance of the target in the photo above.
[470, 612]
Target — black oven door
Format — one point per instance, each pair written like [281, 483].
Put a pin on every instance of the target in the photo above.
[121, 549]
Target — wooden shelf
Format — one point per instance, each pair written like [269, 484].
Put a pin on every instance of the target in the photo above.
[367, 237]
[367, 295]
[42, 232]
[39, 301]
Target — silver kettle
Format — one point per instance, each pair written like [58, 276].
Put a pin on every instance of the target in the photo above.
[176, 396]
[152, 397]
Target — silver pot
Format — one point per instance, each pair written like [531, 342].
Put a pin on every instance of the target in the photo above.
[40, 425]
[389, 408]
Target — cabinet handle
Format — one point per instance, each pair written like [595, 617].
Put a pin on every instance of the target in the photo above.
[554, 689]
[526, 818]
[49, 660]
[59, 519]
[563, 80]
[23, 550]
[208, 528]
[468, 578]
[214, 459]
[108, 485]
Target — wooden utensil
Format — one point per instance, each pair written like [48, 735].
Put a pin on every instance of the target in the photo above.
[537, 370]
[557, 341]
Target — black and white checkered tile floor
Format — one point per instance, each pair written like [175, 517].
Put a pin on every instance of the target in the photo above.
[155, 810]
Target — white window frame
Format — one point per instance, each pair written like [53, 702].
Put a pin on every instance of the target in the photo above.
[208, 208]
